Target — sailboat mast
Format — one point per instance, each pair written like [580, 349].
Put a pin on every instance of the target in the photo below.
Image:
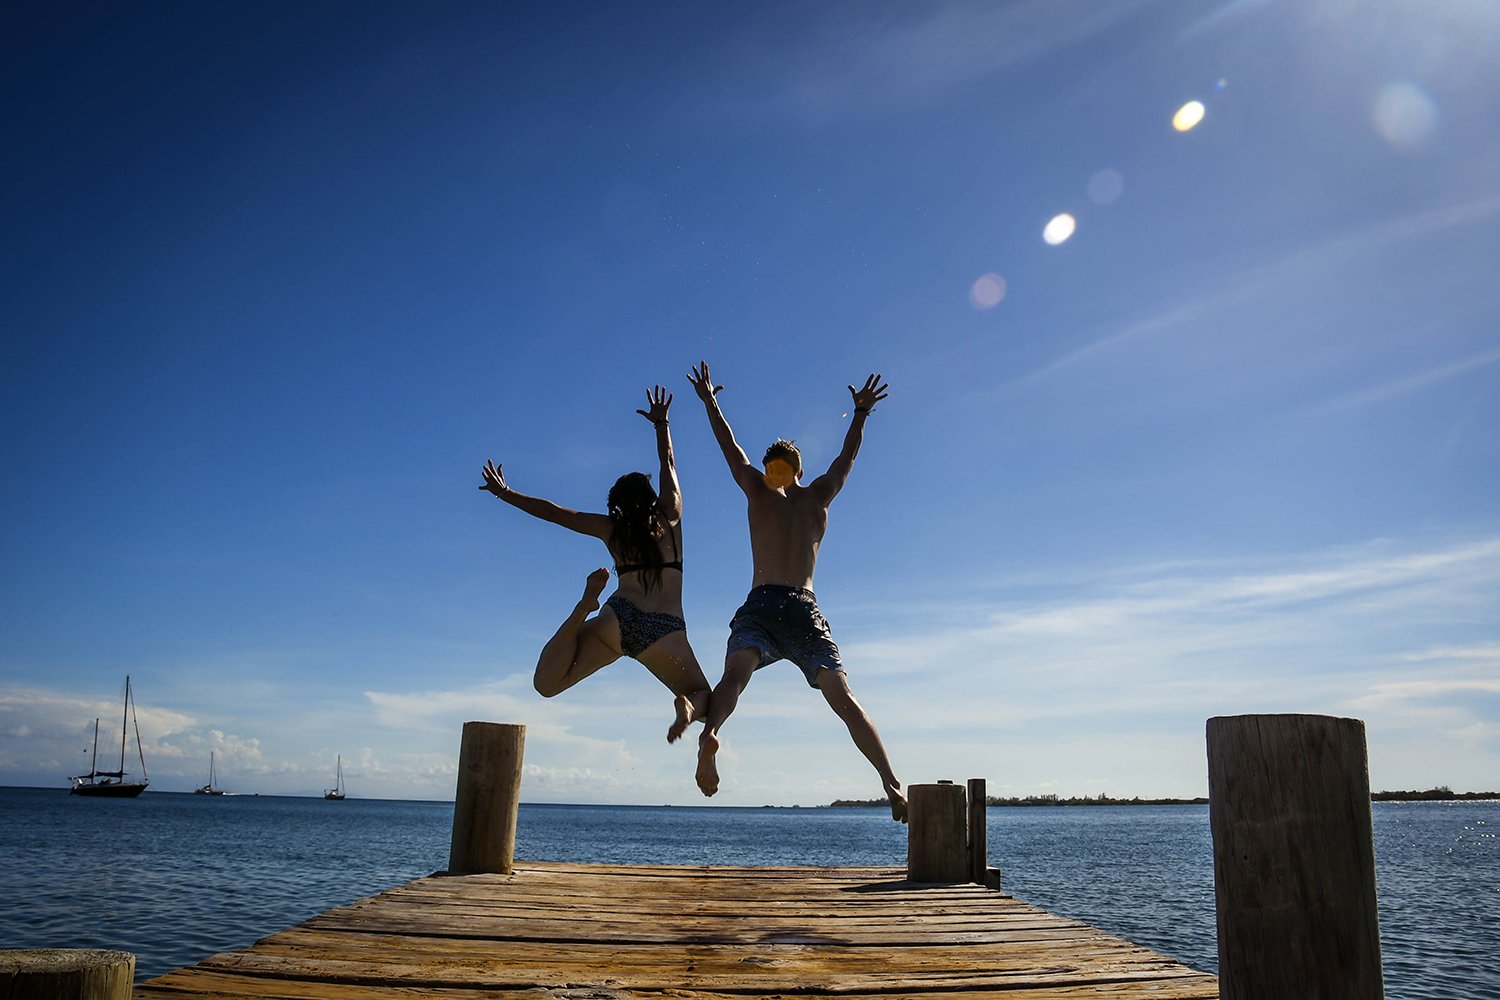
[94, 761]
[139, 752]
[124, 726]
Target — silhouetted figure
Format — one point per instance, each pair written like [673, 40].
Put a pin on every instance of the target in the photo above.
[780, 618]
[643, 618]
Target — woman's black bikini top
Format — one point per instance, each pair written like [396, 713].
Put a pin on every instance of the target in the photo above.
[674, 564]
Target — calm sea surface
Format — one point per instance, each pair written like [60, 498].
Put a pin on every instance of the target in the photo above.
[177, 877]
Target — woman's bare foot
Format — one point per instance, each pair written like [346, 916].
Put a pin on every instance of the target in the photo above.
[592, 588]
[684, 718]
[708, 768]
[690, 708]
[898, 803]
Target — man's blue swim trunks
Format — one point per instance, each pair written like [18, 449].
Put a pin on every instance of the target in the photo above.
[784, 623]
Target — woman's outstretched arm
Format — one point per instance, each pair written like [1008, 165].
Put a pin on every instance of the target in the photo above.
[597, 525]
[669, 497]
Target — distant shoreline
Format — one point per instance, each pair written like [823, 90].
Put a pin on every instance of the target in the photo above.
[1440, 794]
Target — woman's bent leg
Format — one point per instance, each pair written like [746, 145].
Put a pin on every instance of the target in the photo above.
[580, 646]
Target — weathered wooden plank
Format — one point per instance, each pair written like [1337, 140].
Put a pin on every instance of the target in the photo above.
[573, 931]
[844, 902]
[706, 959]
[193, 985]
[534, 921]
[769, 972]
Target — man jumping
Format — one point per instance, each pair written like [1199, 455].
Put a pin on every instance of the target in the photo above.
[780, 619]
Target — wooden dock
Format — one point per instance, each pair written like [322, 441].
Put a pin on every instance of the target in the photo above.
[599, 932]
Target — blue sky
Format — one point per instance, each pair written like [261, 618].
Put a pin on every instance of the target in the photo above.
[279, 279]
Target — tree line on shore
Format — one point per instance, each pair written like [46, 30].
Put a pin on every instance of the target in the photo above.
[1442, 793]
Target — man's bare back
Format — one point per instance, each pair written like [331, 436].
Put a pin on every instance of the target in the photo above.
[786, 530]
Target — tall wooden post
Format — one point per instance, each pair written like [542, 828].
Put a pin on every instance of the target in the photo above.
[979, 867]
[485, 804]
[937, 847]
[66, 974]
[1294, 858]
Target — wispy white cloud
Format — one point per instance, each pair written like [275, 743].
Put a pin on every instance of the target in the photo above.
[1221, 16]
[1101, 685]
[1334, 632]
[1301, 265]
[1405, 386]
[922, 52]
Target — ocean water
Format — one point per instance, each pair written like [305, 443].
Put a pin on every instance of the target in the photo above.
[177, 877]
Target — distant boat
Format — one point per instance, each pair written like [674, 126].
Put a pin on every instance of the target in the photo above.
[210, 788]
[112, 784]
[336, 793]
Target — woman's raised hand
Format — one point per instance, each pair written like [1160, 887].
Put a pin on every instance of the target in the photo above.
[494, 480]
[659, 401]
[703, 382]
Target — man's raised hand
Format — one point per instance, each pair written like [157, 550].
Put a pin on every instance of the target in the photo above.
[703, 382]
[873, 392]
[659, 400]
[494, 480]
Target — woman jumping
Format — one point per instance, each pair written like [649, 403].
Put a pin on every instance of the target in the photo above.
[643, 618]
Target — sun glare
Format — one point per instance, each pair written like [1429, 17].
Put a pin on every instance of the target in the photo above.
[1187, 116]
[1059, 228]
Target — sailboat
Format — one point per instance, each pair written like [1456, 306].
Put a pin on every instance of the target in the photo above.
[209, 789]
[112, 784]
[336, 793]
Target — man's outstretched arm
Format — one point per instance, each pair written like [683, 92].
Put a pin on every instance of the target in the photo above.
[739, 465]
[830, 482]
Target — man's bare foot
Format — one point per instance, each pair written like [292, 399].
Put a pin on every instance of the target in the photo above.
[690, 709]
[592, 588]
[708, 768]
[898, 803]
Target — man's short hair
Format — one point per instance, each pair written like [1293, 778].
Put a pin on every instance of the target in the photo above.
[787, 452]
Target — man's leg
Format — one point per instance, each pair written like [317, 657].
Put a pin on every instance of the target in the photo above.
[738, 668]
[835, 688]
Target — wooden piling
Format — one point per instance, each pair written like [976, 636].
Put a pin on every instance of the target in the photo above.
[978, 834]
[937, 848]
[66, 974]
[485, 803]
[1294, 858]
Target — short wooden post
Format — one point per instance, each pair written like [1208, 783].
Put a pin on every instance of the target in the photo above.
[937, 847]
[66, 974]
[978, 839]
[1294, 858]
[485, 804]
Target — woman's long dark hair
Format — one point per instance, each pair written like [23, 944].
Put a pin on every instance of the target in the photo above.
[637, 526]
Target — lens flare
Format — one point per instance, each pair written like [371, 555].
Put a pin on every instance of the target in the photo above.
[1403, 115]
[1059, 228]
[987, 291]
[1188, 116]
[1105, 186]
